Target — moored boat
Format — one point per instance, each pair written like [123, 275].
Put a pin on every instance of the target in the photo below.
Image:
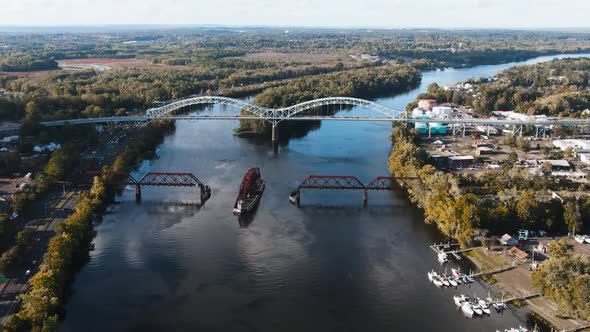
[443, 257]
[467, 309]
[476, 308]
[452, 281]
[580, 238]
[456, 272]
[484, 306]
[431, 275]
[251, 189]
[437, 282]
[460, 299]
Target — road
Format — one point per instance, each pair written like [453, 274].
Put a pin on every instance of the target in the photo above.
[55, 208]
[43, 229]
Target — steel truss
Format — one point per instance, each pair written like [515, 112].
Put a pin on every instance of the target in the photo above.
[275, 116]
[167, 179]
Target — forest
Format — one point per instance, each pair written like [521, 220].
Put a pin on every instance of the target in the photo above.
[361, 83]
[554, 88]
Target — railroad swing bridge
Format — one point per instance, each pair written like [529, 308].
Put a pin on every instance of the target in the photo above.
[349, 182]
[167, 179]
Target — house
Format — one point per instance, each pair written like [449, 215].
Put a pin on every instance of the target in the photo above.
[574, 144]
[555, 164]
[507, 240]
[483, 150]
[519, 254]
[426, 104]
[460, 160]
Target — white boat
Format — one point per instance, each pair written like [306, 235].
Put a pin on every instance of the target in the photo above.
[460, 299]
[436, 281]
[445, 281]
[456, 272]
[467, 310]
[442, 257]
[499, 306]
[476, 309]
[452, 282]
[431, 275]
[470, 279]
[484, 306]
[587, 239]
[580, 238]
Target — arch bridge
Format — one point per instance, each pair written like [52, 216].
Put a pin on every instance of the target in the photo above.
[276, 115]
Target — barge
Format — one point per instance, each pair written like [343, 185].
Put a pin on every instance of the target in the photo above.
[251, 189]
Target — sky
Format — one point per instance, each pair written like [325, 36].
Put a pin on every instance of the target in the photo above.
[303, 13]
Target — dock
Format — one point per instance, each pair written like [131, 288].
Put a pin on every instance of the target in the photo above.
[498, 270]
[440, 248]
[520, 298]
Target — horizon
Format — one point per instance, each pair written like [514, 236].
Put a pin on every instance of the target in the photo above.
[146, 27]
[370, 14]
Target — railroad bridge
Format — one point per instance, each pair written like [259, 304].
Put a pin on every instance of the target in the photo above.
[167, 179]
[349, 182]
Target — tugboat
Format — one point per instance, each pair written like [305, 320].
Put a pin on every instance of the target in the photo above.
[250, 191]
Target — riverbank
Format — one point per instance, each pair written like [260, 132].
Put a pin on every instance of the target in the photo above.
[68, 249]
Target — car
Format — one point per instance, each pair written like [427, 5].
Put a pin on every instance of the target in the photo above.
[34, 262]
[28, 273]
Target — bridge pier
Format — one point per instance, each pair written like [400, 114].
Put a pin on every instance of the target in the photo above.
[365, 198]
[275, 137]
[138, 193]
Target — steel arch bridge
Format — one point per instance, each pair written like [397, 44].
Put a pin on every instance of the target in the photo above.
[277, 115]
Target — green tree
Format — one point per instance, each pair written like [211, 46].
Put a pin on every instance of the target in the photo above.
[558, 249]
[527, 207]
[572, 217]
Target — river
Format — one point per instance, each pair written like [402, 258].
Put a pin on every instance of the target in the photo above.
[331, 265]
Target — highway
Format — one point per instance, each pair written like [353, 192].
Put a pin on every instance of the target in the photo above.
[457, 121]
[44, 229]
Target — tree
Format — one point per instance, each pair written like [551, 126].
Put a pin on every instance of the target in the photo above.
[527, 207]
[512, 156]
[572, 217]
[547, 167]
[558, 249]
[32, 111]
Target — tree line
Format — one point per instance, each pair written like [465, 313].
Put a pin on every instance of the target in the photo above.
[69, 248]
[361, 83]
[462, 215]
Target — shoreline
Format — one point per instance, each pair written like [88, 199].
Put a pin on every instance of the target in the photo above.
[510, 282]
